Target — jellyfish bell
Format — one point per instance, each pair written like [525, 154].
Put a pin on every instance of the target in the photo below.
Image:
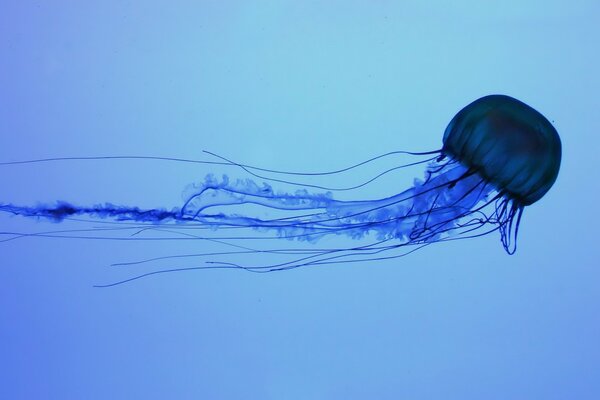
[499, 155]
[508, 143]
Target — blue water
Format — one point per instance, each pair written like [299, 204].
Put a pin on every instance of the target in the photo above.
[295, 87]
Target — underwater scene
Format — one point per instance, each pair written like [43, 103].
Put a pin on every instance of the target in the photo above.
[299, 200]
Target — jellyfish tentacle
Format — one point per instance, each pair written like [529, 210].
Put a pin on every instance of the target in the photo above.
[320, 187]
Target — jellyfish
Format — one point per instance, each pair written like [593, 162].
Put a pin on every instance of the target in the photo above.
[498, 156]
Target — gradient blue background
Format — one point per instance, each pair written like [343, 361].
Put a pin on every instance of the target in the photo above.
[294, 85]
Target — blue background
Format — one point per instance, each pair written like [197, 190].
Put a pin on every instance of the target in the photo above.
[292, 85]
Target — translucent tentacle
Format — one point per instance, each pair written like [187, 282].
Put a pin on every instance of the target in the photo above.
[450, 203]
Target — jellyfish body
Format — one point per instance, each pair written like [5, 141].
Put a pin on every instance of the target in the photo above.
[498, 156]
[509, 144]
